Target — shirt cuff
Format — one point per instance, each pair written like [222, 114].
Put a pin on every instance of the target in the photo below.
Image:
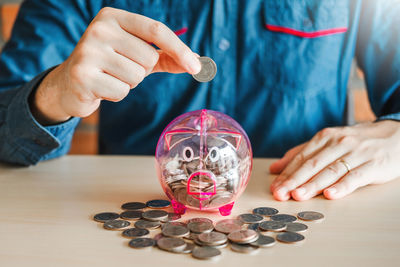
[31, 140]
[394, 116]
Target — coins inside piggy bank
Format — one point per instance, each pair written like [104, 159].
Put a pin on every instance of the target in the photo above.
[204, 161]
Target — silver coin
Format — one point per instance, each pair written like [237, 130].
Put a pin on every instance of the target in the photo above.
[200, 220]
[199, 243]
[173, 223]
[142, 242]
[116, 224]
[175, 231]
[250, 218]
[158, 203]
[188, 249]
[171, 244]
[243, 248]
[283, 218]
[200, 227]
[135, 232]
[213, 238]
[243, 236]
[144, 224]
[296, 227]
[131, 215]
[289, 237]
[158, 236]
[310, 216]
[264, 241]
[204, 253]
[191, 236]
[254, 226]
[133, 206]
[265, 211]
[106, 216]
[172, 217]
[155, 215]
[228, 225]
[272, 226]
[208, 70]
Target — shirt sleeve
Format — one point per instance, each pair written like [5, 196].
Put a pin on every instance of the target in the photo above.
[378, 55]
[44, 34]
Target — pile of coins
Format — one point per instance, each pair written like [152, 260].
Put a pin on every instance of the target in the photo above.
[200, 236]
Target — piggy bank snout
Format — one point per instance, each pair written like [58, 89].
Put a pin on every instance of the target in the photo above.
[202, 184]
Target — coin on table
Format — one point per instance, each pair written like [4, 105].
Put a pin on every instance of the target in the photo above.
[133, 206]
[265, 211]
[106, 216]
[272, 226]
[188, 249]
[171, 244]
[296, 227]
[174, 223]
[200, 219]
[208, 70]
[254, 226]
[264, 241]
[243, 248]
[175, 231]
[200, 227]
[172, 217]
[116, 224]
[283, 218]
[155, 215]
[131, 215]
[289, 237]
[135, 232]
[158, 236]
[158, 203]
[228, 225]
[250, 218]
[213, 238]
[144, 224]
[191, 236]
[204, 253]
[310, 216]
[243, 236]
[199, 243]
[142, 242]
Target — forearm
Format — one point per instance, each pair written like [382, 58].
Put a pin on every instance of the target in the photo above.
[23, 140]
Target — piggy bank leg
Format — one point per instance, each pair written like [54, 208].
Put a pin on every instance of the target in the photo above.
[226, 209]
[178, 207]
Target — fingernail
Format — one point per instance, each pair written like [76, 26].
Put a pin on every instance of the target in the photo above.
[282, 191]
[194, 64]
[300, 191]
[332, 190]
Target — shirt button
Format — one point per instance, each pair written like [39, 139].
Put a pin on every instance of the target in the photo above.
[224, 44]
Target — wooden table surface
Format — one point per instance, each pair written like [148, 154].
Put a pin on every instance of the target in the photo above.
[46, 216]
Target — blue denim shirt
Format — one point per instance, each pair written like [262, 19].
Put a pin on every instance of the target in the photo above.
[283, 68]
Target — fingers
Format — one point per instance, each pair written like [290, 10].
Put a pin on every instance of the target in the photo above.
[123, 69]
[325, 178]
[356, 178]
[277, 166]
[311, 166]
[167, 64]
[110, 88]
[156, 32]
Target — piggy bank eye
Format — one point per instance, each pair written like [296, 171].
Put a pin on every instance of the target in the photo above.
[214, 154]
[188, 153]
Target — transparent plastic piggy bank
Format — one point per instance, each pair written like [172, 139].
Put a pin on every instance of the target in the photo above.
[203, 161]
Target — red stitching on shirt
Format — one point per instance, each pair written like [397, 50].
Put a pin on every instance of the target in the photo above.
[305, 34]
[178, 32]
[181, 31]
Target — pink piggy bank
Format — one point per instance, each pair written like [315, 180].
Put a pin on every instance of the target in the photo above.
[203, 161]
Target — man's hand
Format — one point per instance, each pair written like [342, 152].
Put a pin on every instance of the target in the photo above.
[113, 56]
[371, 152]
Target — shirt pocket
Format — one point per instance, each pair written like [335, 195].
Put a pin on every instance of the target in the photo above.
[302, 44]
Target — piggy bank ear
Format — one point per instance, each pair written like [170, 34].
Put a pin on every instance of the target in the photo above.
[176, 136]
[234, 138]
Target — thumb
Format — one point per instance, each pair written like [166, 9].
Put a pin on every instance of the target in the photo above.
[167, 64]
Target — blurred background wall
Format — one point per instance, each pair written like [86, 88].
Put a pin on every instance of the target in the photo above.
[85, 138]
